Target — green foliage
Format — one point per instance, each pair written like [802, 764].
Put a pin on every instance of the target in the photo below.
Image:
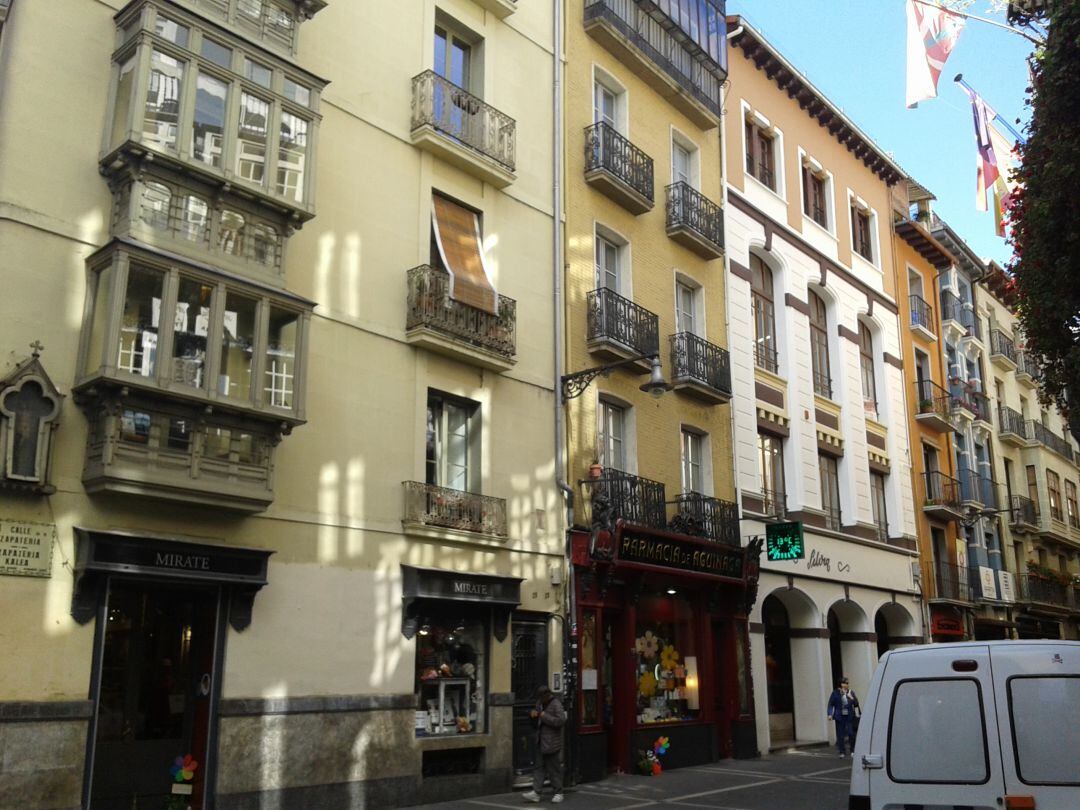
[1045, 217]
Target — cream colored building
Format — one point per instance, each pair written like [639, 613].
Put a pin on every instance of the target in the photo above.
[292, 264]
[819, 397]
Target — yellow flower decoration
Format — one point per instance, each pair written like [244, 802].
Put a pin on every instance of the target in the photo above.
[669, 658]
[647, 684]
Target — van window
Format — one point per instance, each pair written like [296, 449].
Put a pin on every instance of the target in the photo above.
[937, 733]
[1044, 712]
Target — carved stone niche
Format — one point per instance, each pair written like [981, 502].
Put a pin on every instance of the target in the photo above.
[29, 413]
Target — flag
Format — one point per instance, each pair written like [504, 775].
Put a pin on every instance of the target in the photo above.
[1005, 185]
[985, 159]
[931, 36]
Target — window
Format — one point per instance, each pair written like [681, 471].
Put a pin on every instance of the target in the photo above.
[760, 156]
[1053, 489]
[936, 733]
[866, 367]
[686, 308]
[665, 659]
[1033, 486]
[604, 105]
[191, 92]
[693, 461]
[819, 345]
[761, 296]
[815, 193]
[1071, 505]
[607, 264]
[611, 438]
[452, 57]
[1044, 711]
[280, 365]
[138, 345]
[861, 232]
[682, 163]
[451, 438]
[830, 490]
[451, 670]
[29, 408]
[877, 502]
[771, 467]
[191, 326]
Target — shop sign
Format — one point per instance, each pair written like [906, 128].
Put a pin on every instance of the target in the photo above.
[433, 583]
[942, 624]
[26, 548]
[784, 541]
[1007, 585]
[102, 551]
[664, 551]
[988, 582]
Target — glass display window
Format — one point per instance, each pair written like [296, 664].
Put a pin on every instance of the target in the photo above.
[451, 675]
[665, 656]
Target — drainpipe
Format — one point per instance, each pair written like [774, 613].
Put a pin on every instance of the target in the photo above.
[569, 623]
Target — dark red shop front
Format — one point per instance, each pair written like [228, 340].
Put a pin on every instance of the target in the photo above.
[662, 648]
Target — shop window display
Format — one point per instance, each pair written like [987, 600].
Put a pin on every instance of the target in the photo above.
[666, 660]
[451, 669]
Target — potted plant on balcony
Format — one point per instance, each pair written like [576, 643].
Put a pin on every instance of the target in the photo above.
[596, 469]
[926, 405]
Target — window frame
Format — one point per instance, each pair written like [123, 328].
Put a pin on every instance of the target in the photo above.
[829, 477]
[692, 439]
[606, 410]
[1053, 494]
[770, 452]
[868, 369]
[681, 142]
[812, 173]
[763, 312]
[819, 344]
[879, 503]
[1012, 726]
[443, 402]
[1071, 504]
[687, 290]
[761, 145]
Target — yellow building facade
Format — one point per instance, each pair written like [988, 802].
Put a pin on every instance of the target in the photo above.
[281, 487]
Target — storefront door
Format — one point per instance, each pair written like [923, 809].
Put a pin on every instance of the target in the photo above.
[778, 670]
[529, 671]
[156, 675]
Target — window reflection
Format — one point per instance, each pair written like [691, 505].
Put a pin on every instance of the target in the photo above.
[190, 329]
[291, 156]
[139, 329]
[281, 358]
[237, 346]
[251, 145]
[161, 124]
[208, 131]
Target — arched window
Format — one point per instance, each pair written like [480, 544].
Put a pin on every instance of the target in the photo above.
[232, 232]
[819, 345]
[866, 364]
[155, 205]
[264, 244]
[761, 292]
[194, 212]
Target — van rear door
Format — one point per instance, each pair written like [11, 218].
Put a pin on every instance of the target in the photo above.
[1038, 708]
[934, 741]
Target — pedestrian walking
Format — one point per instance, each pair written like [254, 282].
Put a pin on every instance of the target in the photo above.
[843, 710]
[550, 718]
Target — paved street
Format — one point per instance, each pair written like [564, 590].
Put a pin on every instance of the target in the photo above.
[799, 780]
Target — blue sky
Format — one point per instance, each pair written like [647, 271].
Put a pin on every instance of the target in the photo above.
[853, 51]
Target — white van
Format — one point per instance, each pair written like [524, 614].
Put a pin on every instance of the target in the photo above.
[992, 725]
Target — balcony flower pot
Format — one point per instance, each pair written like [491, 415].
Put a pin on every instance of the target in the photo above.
[926, 405]
[596, 470]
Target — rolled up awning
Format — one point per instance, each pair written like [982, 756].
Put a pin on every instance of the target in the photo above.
[457, 234]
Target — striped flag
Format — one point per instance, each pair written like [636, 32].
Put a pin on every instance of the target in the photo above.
[986, 159]
[931, 36]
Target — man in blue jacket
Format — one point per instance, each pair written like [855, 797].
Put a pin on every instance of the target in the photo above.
[843, 706]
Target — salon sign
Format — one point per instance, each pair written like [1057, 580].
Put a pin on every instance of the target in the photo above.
[26, 548]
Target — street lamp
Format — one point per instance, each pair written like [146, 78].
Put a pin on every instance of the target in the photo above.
[573, 385]
[973, 515]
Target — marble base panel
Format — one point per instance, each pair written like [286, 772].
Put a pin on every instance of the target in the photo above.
[42, 754]
[347, 752]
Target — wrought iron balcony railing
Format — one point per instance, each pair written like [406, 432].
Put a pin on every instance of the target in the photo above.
[975, 403]
[1001, 344]
[612, 317]
[458, 114]
[950, 581]
[934, 404]
[1023, 512]
[1025, 366]
[922, 314]
[761, 172]
[941, 490]
[678, 60]
[1048, 439]
[1010, 421]
[430, 305]
[618, 495]
[689, 208]
[430, 505]
[822, 384]
[766, 357]
[694, 359]
[774, 502]
[954, 309]
[978, 489]
[607, 150]
[1046, 591]
[702, 516]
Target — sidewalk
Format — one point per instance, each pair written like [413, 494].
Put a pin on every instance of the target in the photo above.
[808, 779]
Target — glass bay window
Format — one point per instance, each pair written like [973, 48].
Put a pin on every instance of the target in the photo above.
[188, 91]
[260, 333]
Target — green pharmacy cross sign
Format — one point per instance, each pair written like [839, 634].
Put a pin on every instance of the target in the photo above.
[784, 541]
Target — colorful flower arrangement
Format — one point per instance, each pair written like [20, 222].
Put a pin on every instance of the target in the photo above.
[669, 658]
[647, 645]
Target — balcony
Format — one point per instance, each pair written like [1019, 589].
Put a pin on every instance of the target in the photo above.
[500, 8]
[971, 404]
[766, 357]
[1025, 370]
[699, 368]
[934, 406]
[657, 50]
[695, 221]
[617, 495]
[429, 507]
[1039, 590]
[459, 128]
[618, 328]
[922, 317]
[618, 169]
[1038, 432]
[950, 581]
[437, 322]
[941, 496]
[711, 518]
[977, 490]
[958, 318]
[1023, 514]
[1012, 429]
[1002, 350]
[822, 383]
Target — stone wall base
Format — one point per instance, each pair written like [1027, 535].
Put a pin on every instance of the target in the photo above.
[42, 753]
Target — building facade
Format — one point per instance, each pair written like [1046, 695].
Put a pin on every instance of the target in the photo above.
[279, 465]
[818, 389]
[658, 567]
